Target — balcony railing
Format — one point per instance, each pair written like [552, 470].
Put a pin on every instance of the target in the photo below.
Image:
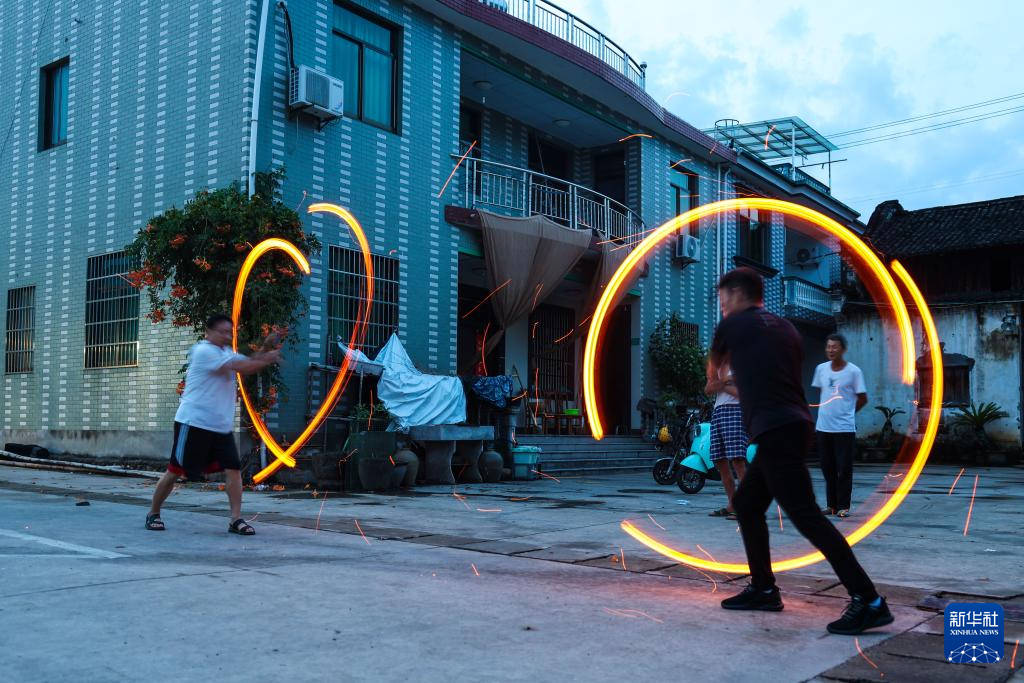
[807, 295]
[550, 17]
[514, 191]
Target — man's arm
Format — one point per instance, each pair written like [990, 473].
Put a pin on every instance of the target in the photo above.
[254, 363]
[862, 400]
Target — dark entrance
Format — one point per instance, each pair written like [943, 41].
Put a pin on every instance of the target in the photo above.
[610, 175]
[473, 326]
[614, 379]
[549, 159]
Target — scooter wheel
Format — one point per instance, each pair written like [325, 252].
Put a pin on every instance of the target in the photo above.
[661, 474]
[691, 481]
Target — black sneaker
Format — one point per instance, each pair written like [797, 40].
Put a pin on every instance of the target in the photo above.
[753, 599]
[860, 616]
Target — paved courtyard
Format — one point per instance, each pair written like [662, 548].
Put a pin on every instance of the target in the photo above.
[522, 581]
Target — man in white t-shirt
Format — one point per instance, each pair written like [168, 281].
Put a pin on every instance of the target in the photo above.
[204, 441]
[843, 393]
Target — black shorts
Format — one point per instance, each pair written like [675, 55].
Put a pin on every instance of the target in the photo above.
[199, 451]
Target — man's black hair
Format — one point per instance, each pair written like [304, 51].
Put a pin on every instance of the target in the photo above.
[216, 319]
[836, 337]
[747, 280]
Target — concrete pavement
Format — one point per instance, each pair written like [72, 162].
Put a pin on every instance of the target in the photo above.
[517, 581]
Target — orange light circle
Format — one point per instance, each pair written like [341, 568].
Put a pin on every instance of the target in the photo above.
[284, 456]
[895, 299]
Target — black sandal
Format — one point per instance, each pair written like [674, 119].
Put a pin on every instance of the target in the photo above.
[240, 526]
[720, 512]
[154, 523]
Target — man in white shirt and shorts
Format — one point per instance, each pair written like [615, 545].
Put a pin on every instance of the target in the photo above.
[729, 439]
[204, 439]
[843, 393]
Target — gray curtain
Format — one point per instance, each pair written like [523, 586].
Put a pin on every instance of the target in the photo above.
[533, 255]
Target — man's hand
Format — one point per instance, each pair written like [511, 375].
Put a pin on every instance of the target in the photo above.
[255, 362]
[274, 340]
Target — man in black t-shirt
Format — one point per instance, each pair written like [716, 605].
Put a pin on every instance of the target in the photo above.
[766, 356]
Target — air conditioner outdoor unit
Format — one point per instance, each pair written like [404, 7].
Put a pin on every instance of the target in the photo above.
[316, 93]
[687, 249]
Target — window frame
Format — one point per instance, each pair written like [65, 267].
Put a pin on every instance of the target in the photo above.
[744, 234]
[396, 60]
[26, 349]
[692, 193]
[46, 104]
[379, 327]
[132, 301]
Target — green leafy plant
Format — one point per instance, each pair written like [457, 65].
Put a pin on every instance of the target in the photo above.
[979, 416]
[887, 429]
[362, 412]
[680, 365]
[189, 259]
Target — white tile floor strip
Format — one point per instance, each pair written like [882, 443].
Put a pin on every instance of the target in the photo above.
[81, 549]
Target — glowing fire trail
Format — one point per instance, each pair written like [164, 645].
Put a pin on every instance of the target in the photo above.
[856, 641]
[546, 476]
[971, 508]
[475, 571]
[955, 481]
[635, 135]
[361, 532]
[656, 522]
[452, 174]
[322, 503]
[492, 293]
[766, 136]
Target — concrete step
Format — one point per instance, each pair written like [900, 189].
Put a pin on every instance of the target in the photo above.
[582, 454]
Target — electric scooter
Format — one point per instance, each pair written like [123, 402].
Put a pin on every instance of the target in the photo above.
[696, 468]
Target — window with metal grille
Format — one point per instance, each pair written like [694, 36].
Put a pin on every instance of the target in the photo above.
[21, 310]
[346, 290]
[690, 333]
[111, 312]
[552, 357]
[53, 105]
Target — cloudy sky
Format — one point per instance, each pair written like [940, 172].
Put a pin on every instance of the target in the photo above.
[842, 66]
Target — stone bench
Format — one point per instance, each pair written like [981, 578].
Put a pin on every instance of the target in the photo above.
[441, 442]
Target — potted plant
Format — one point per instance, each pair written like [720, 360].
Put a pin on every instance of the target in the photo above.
[977, 417]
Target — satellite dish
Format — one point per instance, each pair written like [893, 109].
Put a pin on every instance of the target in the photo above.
[803, 256]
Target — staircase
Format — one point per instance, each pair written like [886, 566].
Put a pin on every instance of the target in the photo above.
[584, 455]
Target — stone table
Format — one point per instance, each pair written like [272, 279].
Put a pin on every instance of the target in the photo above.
[441, 442]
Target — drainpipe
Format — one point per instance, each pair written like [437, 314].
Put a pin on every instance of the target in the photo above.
[254, 125]
[719, 239]
[254, 111]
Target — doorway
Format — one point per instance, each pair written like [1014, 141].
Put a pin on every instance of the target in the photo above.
[610, 175]
[614, 381]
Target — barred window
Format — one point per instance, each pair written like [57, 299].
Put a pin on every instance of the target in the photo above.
[347, 288]
[21, 310]
[691, 334]
[111, 313]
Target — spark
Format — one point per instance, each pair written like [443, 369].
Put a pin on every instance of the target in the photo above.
[371, 411]
[679, 92]
[1013, 658]
[461, 499]
[516, 398]
[564, 336]
[488, 509]
[706, 553]
[521, 500]
[475, 571]
[714, 584]
[636, 135]
[713, 148]
[536, 394]
[766, 136]
[856, 641]
[302, 201]
[483, 348]
[622, 554]
[546, 476]
[656, 522]
[322, 503]
[393, 251]
[818, 405]
[492, 293]
[459, 163]
[681, 161]
[631, 614]
[540, 286]
[780, 516]
[955, 481]
[365, 539]
[971, 508]
[533, 331]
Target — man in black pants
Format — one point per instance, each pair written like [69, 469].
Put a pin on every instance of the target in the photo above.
[766, 357]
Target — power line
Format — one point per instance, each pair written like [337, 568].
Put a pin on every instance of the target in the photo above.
[939, 186]
[934, 127]
[921, 117]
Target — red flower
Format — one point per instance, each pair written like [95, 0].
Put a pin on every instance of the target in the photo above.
[241, 247]
[179, 292]
[202, 263]
[181, 387]
[178, 240]
[182, 321]
[157, 316]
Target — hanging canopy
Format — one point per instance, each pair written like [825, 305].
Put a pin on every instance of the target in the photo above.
[526, 259]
